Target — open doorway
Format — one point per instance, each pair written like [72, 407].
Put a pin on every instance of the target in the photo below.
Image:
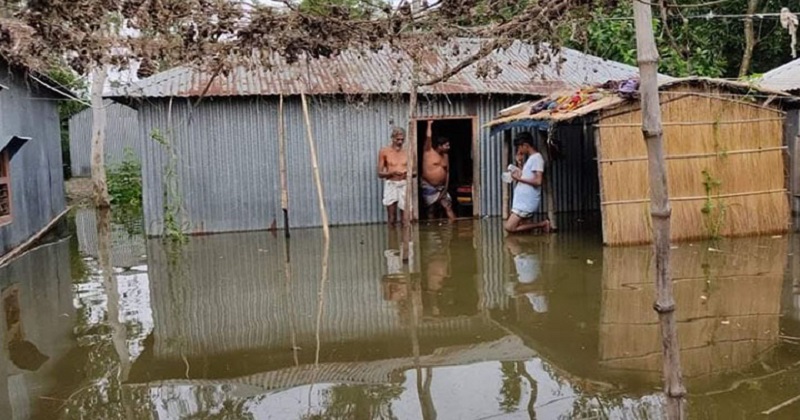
[460, 133]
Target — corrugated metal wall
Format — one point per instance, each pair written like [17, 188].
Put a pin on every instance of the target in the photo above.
[574, 176]
[228, 159]
[121, 133]
[791, 134]
[37, 178]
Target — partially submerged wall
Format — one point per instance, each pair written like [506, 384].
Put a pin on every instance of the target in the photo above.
[734, 147]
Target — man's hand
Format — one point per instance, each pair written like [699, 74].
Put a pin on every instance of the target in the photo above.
[516, 175]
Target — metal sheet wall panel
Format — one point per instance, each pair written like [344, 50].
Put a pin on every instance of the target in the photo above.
[37, 177]
[227, 164]
[791, 127]
[228, 159]
[121, 133]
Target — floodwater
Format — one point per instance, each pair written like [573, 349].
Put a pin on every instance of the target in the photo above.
[485, 327]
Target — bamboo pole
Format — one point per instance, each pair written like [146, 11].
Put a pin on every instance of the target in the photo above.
[693, 123]
[647, 56]
[548, 183]
[282, 165]
[702, 197]
[598, 147]
[506, 159]
[25, 246]
[98, 165]
[699, 155]
[412, 196]
[315, 168]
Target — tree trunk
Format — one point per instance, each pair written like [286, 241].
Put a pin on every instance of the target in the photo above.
[749, 38]
[101, 199]
[659, 206]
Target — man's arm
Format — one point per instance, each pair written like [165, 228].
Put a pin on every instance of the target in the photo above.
[535, 181]
[538, 174]
[429, 136]
[382, 172]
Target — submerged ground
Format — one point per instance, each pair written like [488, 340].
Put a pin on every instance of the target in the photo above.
[487, 327]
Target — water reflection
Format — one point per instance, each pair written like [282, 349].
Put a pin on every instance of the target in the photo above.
[546, 327]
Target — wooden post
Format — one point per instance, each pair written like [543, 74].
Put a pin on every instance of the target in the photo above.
[315, 168]
[282, 165]
[325, 227]
[477, 184]
[100, 187]
[549, 197]
[659, 206]
[506, 159]
[601, 190]
[412, 193]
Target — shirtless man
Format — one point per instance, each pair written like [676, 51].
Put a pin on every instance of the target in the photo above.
[436, 174]
[392, 168]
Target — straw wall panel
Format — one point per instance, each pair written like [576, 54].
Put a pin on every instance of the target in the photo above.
[736, 143]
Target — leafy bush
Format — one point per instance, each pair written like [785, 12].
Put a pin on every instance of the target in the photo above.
[125, 182]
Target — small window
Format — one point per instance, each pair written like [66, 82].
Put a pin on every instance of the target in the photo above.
[5, 189]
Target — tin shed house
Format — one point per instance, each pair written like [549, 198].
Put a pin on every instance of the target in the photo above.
[725, 150]
[787, 78]
[122, 135]
[220, 155]
[31, 174]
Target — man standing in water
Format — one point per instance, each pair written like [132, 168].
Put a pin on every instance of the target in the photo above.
[528, 191]
[392, 168]
[436, 174]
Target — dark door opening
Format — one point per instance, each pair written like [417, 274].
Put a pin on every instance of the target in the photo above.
[459, 131]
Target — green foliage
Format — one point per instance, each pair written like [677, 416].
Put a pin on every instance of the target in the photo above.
[352, 8]
[713, 209]
[66, 109]
[612, 36]
[702, 47]
[125, 181]
[173, 229]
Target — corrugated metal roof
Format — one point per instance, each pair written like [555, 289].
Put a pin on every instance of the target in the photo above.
[388, 72]
[785, 77]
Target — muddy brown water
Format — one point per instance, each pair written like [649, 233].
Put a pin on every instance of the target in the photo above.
[484, 327]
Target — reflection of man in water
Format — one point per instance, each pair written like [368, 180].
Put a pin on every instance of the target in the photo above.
[395, 287]
[528, 271]
[436, 265]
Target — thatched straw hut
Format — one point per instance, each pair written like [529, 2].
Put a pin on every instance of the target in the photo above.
[725, 151]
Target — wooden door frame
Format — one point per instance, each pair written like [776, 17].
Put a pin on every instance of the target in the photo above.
[476, 158]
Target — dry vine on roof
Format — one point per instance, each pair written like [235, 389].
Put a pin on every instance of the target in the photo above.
[218, 35]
